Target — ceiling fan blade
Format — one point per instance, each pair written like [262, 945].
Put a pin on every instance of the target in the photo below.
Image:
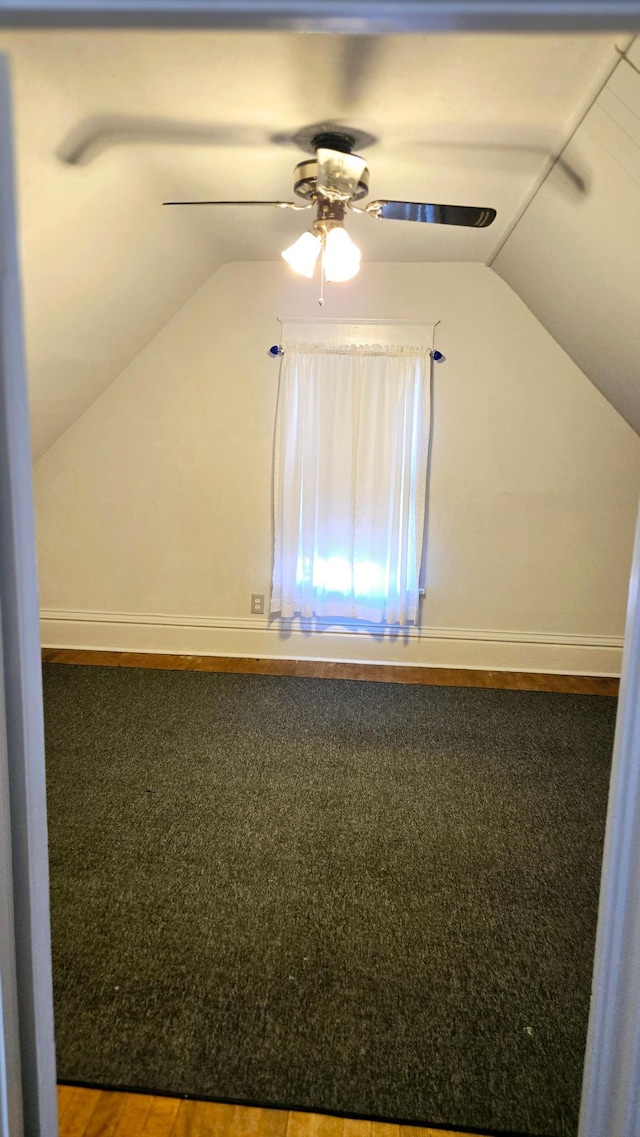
[435, 214]
[280, 204]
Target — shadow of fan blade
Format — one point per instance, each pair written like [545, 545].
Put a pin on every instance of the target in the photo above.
[90, 138]
[359, 56]
[572, 178]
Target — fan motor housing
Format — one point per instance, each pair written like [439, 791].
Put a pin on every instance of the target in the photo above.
[305, 178]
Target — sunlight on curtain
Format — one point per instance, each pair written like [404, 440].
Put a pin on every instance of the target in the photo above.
[352, 440]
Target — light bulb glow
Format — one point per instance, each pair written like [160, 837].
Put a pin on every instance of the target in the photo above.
[341, 256]
[303, 254]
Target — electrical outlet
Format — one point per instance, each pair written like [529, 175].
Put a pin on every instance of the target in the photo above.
[257, 603]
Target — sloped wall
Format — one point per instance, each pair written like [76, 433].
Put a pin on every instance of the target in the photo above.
[154, 509]
[103, 267]
[575, 260]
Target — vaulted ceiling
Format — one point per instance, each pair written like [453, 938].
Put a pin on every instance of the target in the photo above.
[576, 264]
[109, 124]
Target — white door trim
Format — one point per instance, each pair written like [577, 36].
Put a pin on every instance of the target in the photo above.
[11, 1119]
[611, 1091]
[611, 1087]
[349, 16]
[22, 682]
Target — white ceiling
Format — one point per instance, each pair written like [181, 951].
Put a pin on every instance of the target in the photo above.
[460, 119]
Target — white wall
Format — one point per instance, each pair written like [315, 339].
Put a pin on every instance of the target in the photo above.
[154, 509]
[574, 258]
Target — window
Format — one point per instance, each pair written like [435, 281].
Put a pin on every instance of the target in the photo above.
[352, 436]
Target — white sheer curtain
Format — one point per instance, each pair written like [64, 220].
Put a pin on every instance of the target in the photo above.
[350, 474]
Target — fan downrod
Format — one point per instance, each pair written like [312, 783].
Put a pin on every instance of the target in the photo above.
[333, 140]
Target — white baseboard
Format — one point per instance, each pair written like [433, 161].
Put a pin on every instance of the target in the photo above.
[260, 637]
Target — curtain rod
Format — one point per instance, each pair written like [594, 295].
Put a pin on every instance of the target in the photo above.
[331, 349]
[437, 356]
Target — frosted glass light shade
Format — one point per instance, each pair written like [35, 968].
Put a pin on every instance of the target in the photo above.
[338, 174]
[303, 254]
[341, 256]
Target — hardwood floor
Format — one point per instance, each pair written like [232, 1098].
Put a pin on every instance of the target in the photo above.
[107, 1113]
[372, 672]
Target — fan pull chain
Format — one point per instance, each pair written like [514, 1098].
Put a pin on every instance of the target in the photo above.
[321, 299]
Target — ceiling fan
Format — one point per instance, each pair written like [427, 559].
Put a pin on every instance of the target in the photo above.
[331, 182]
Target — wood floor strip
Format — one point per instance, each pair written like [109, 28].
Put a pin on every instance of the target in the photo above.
[367, 672]
[203, 1119]
[78, 1114]
[134, 1115]
[162, 1117]
[65, 1097]
[252, 1122]
[353, 1128]
[314, 1125]
[109, 1113]
[106, 1115]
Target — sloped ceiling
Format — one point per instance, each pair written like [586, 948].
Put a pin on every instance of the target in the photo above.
[455, 119]
[576, 263]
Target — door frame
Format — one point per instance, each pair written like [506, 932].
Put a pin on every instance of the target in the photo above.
[349, 16]
[611, 1086]
[27, 1075]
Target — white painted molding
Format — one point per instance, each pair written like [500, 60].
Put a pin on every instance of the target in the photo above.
[496, 649]
[349, 16]
[31, 993]
[275, 625]
[11, 1116]
[611, 1086]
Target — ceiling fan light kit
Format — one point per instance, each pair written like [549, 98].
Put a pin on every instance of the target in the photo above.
[332, 182]
[303, 254]
[327, 239]
[341, 256]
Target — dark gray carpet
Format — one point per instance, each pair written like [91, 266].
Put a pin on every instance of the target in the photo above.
[358, 897]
